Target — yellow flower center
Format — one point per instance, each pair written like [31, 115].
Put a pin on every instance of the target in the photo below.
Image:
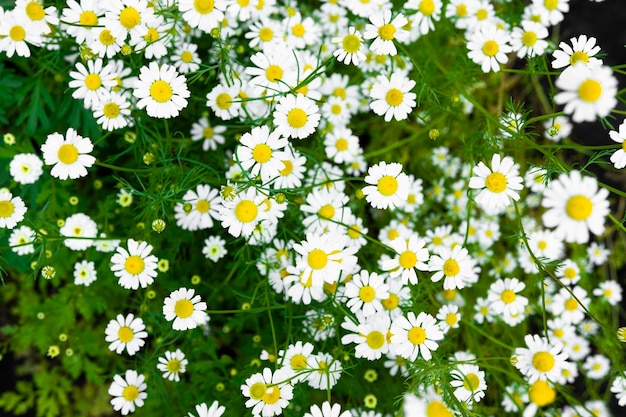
[297, 118]
[134, 264]
[266, 34]
[394, 97]
[375, 339]
[529, 38]
[257, 390]
[341, 144]
[482, 14]
[391, 302]
[208, 133]
[543, 361]
[35, 11]
[490, 48]
[437, 409]
[106, 38]
[93, 81]
[461, 10]
[427, 7]
[571, 304]
[130, 393]
[288, 168]
[243, 3]
[262, 153]
[351, 43]
[272, 395]
[367, 294]
[579, 207]
[541, 393]
[579, 56]
[173, 366]
[161, 91]
[417, 335]
[17, 33]
[590, 91]
[507, 296]
[387, 31]
[570, 273]
[407, 259]
[449, 295]
[203, 6]
[111, 110]
[451, 267]
[223, 101]
[67, 154]
[496, 182]
[387, 185]
[298, 362]
[130, 17]
[274, 73]
[452, 319]
[6, 209]
[125, 334]
[471, 382]
[298, 30]
[326, 212]
[246, 211]
[340, 92]
[88, 18]
[317, 259]
[183, 308]
[551, 4]
[186, 56]
[203, 206]
[151, 36]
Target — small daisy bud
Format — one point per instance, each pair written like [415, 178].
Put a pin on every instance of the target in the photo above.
[219, 387]
[60, 222]
[163, 265]
[69, 352]
[97, 184]
[370, 375]
[73, 200]
[9, 139]
[246, 306]
[256, 338]
[215, 33]
[148, 158]
[228, 192]
[53, 351]
[48, 253]
[255, 362]
[433, 133]
[280, 198]
[48, 272]
[158, 225]
[151, 294]
[370, 401]
[195, 280]
[553, 131]
[187, 207]
[233, 372]
[63, 337]
[240, 49]
[130, 137]
[41, 315]
[127, 49]
[621, 334]
[513, 360]
[359, 194]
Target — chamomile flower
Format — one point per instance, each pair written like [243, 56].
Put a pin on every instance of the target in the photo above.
[384, 31]
[558, 128]
[21, 239]
[210, 135]
[392, 97]
[410, 255]
[69, 155]
[552, 10]
[568, 304]
[618, 158]
[296, 116]
[597, 366]
[126, 332]
[529, 39]
[610, 291]
[370, 336]
[341, 145]
[414, 336]
[84, 16]
[78, 231]
[455, 265]
[136, 266]
[541, 360]
[389, 186]
[296, 359]
[365, 293]
[575, 206]
[350, 50]
[323, 258]
[488, 47]
[161, 90]
[185, 308]
[504, 297]
[242, 214]
[185, 58]
[428, 12]
[92, 82]
[26, 168]
[103, 43]
[327, 410]
[468, 382]
[214, 248]
[618, 387]
[202, 14]
[260, 153]
[583, 50]
[16, 33]
[202, 410]
[172, 365]
[224, 102]
[112, 111]
[497, 184]
[274, 70]
[267, 392]
[587, 92]
[12, 210]
[84, 273]
[128, 391]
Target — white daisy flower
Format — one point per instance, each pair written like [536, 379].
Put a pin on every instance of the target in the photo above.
[488, 47]
[327, 371]
[583, 50]
[243, 213]
[529, 39]
[370, 335]
[327, 410]
[296, 117]
[351, 47]
[468, 382]
[295, 360]
[385, 30]
[202, 410]
[267, 392]
[504, 297]
[185, 58]
[224, 101]
[392, 97]
[84, 16]
[112, 111]
[128, 392]
[172, 365]
[415, 336]
[200, 206]
[428, 12]
[210, 135]
[458, 268]
[127, 17]
[12, 210]
[610, 290]
[619, 156]
[21, 240]
[214, 248]
[185, 309]
[449, 317]
[597, 366]
[568, 304]
[575, 206]
[205, 15]
[26, 168]
[16, 33]
[92, 82]
[161, 90]
[126, 333]
[103, 43]
[84, 273]
[497, 184]
[78, 231]
[587, 92]
[365, 293]
[552, 10]
[389, 186]
[136, 266]
[69, 155]
[540, 360]
[411, 254]
[260, 152]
